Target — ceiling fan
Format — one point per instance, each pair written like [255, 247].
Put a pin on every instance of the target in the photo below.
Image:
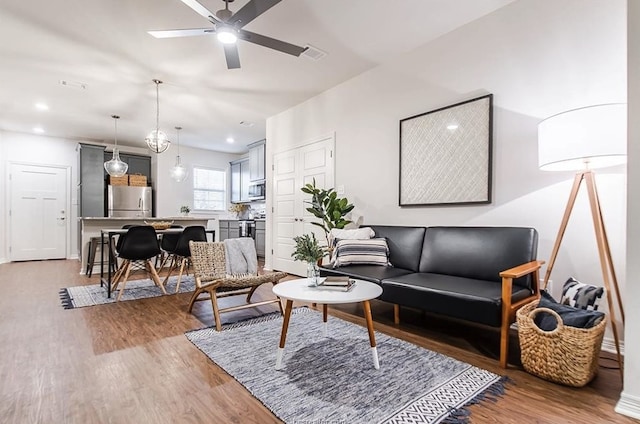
[228, 27]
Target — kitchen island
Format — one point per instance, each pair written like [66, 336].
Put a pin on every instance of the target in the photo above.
[91, 226]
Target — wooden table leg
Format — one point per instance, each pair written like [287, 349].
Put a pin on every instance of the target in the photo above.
[372, 337]
[324, 320]
[283, 334]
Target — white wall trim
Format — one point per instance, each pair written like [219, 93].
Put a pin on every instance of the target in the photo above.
[609, 345]
[628, 405]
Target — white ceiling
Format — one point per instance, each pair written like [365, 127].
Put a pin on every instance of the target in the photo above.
[104, 45]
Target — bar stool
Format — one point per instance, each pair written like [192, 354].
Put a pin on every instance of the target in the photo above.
[91, 256]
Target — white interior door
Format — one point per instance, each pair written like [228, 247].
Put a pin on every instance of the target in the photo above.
[291, 170]
[38, 212]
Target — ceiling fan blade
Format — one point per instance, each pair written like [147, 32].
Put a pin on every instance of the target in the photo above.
[271, 43]
[231, 54]
[250, 11]
[202, 11]
[172, 33]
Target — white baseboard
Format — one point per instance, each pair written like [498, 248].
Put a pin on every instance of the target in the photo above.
[628, 405]
[3, 260]
[609, 345]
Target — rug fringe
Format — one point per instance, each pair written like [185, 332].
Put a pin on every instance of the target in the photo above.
[65, 299]
[491, 393]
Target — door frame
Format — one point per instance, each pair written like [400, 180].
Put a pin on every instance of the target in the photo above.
[270, 222]
[8, 201]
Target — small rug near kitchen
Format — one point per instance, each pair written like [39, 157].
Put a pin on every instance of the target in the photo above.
[332, 379]
[81, 296]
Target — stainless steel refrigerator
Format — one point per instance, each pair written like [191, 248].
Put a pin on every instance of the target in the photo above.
[129, 201]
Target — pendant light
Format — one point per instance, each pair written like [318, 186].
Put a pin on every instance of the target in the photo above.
[178, 173]
[157, 140]
[115, 167]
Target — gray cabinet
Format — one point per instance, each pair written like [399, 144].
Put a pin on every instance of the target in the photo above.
[228, 229]
[240, 181]
[257, 161]
[260, 238]
[91, 180]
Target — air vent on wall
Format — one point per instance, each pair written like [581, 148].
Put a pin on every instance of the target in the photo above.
[313, 53]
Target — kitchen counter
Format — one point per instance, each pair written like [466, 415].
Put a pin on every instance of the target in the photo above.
[91, 226]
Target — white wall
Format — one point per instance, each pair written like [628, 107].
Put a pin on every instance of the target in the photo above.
[630, 400]
[538, 58]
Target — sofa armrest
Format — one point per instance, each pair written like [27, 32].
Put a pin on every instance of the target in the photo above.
[509, 309]
[521, 270]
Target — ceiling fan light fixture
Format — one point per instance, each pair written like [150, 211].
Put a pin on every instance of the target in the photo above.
[157, 140]
[116, 167]
[226, 34]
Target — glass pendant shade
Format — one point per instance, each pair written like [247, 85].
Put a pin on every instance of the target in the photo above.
[157, 140]
[115, 167]
[178, 173]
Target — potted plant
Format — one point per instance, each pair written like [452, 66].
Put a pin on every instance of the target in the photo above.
[184, 209]
[328, 207]
[309, 250]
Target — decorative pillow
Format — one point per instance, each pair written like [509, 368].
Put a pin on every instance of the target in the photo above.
[361, 252]
[363, 233]
[573, 317]
[580, 295]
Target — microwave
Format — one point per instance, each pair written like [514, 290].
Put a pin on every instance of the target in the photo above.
[257, 190]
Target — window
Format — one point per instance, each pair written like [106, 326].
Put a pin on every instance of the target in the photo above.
[209, 189]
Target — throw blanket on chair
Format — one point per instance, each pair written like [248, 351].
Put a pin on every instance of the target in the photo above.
[241, 257]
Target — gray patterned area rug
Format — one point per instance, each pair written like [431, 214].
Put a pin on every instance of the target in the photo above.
[332, 379]
[81, 296]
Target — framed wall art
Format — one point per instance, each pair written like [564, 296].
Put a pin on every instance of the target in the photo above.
[445, 155]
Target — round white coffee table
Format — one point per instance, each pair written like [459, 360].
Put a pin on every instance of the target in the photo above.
[300, 290]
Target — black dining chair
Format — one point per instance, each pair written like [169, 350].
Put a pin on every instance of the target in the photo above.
[182, 254]
[168, 244]
[138, 244]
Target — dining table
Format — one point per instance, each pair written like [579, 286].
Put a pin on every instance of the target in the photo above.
[110, 233]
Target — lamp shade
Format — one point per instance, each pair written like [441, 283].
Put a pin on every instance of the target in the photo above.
[589, 137]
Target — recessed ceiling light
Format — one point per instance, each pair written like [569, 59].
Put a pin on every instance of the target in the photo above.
[452, 127]
[38, 130]
[230, 140]
[246, 123]
[42, 106]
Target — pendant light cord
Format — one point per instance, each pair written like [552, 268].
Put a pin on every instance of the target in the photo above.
[115, 133]
[178, 137]
[157, 107]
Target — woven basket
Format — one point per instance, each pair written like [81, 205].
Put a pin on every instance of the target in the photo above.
[124, 180]
[138, 180]
[565, 355]
[159, 225]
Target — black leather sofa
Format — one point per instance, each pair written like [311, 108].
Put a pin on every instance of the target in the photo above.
[478, 274]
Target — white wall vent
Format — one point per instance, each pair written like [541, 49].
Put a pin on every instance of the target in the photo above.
[313, 53]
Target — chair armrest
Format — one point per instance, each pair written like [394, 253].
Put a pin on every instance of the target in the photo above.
[520, 270]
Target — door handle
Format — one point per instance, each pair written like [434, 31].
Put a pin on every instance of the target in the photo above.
[61, 219]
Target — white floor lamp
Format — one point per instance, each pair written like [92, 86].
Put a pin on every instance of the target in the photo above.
[583, 139]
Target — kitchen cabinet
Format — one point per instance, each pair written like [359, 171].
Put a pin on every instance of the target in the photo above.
[260, 238]
[257, 161]
[91, 180]
[228, 229]
[240, 181]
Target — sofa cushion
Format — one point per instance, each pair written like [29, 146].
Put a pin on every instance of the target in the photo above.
[478, 252]
[372, 273]
[366, 252]
[457, 297]
[405, 244]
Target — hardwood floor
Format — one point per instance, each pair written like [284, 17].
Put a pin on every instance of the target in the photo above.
[130, 362]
